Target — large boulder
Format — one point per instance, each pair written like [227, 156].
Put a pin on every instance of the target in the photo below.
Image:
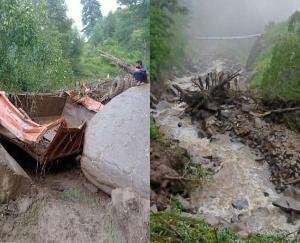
[117, 142]
[13, 179]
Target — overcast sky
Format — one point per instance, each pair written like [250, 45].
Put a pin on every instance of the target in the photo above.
[74, 9]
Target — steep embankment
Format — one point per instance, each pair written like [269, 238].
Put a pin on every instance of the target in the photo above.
[276, 60]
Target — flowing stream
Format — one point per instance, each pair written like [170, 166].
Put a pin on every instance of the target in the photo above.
[239, 180]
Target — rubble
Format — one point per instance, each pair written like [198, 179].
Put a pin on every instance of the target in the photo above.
[238, 113]
[116, 145]
[14, 181]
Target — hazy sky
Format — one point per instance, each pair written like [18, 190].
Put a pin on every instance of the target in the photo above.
[74, 9]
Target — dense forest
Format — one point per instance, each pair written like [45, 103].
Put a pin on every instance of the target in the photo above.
[277, 63]
[41, 50]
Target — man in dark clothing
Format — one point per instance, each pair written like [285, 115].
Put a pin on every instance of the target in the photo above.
[140, 74]
[207, 82]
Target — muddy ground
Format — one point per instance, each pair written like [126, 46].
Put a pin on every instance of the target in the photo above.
[63, 207]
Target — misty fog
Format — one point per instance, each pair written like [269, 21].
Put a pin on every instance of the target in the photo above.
[233, 17]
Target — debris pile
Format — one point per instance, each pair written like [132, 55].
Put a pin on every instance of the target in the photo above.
[48, 127]
[220, 110]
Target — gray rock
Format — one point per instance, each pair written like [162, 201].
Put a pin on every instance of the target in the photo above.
[13, 179]
[258, 123]
[153, 209]
[131, 214]
[247, 108]
[117, 142]
[288, 204]
[293, 192]
[162, 105]
[240, 204]
[186, 205]
[23, 204]
[225, 113]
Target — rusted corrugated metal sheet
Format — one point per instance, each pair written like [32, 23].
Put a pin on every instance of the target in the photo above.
[48, 127]
[86, 101]
[19, 124]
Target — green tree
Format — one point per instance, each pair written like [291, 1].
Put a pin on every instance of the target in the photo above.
[91, 14]
[164, 33]
[30, 55]
[278, 73]
[61, 26]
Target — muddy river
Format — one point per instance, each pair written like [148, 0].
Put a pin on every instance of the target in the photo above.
[240, 192]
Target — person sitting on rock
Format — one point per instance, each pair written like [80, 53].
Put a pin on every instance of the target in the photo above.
[140, 73]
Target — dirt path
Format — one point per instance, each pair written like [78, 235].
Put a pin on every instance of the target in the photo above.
[239, 182]
[64, 207]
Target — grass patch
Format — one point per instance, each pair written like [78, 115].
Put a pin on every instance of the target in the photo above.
[171, 227]
[75, 195]
[154, 130]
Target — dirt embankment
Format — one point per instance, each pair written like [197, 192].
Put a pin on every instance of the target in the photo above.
[168, 161]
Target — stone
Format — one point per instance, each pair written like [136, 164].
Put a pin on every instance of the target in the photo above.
[186, 205]
[225, 113]
[23, 204]
[154, 209]
[247, 108]
[131, 214]
[14, 181]
[293, 192]
[288, 204]
[258, 123]
[117, 143]
[241, 204]
[162, 105]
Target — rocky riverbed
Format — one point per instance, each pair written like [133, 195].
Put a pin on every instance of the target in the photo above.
[241, 194]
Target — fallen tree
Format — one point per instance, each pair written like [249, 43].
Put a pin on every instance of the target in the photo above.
[118, 62]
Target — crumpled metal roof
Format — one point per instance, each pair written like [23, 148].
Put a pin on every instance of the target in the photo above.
[53, 129]
[19, 124]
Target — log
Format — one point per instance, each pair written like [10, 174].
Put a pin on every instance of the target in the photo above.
[118, 62]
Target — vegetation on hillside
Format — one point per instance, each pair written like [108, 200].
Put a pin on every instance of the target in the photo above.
[124, 34]
[41, 49]
[167, 38]
[277, 66]
[36, 45]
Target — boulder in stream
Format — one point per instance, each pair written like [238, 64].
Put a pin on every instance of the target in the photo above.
[117, 142]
